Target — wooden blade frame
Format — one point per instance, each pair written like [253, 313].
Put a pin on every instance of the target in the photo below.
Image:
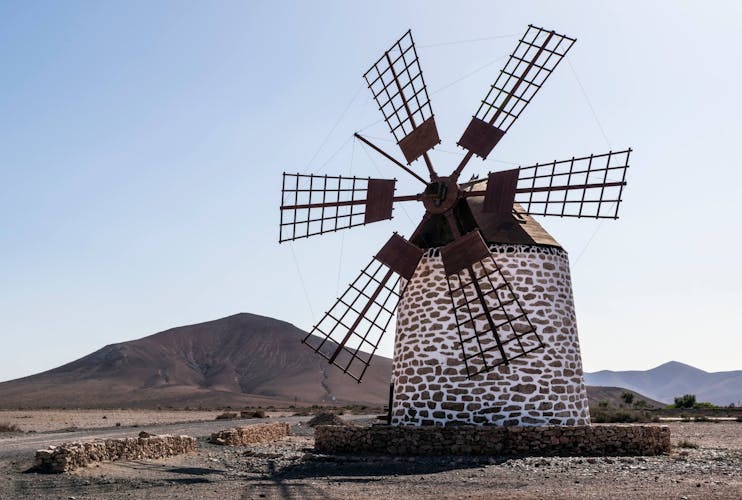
[318, 204]
[397, 84]
[493, 327]
[349, 333]
[590, 186]
[535, 57]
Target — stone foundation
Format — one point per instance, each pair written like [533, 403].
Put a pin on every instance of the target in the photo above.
[70, 456]
[258, 433]
[544, 387]
[615, 440]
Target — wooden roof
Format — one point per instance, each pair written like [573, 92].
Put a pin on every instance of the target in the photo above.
[519, 228]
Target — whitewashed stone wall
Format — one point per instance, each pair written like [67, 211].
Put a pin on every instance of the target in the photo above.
[545, 387]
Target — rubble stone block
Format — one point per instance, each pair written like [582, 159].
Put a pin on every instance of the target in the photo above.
[257, 433]
[70, 456]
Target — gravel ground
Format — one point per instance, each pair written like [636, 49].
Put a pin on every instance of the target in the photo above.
[290, 469]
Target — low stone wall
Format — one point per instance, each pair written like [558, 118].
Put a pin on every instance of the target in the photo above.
[258, 433]
[70, 456]
[494, 440]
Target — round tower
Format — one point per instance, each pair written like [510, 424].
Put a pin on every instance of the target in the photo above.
[433, 356]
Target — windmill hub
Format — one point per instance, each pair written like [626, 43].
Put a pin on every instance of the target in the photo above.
[440, 195]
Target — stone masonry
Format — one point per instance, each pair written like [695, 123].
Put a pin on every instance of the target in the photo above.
[249, 434]
[598, 440]
[545, 387]
[70, 456]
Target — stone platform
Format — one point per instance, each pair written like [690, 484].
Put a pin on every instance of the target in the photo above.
[599, 440]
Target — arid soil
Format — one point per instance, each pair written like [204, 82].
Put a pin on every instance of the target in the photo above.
[56, 420]
[290, 469]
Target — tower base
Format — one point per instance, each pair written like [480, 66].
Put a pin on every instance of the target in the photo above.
[544, 387]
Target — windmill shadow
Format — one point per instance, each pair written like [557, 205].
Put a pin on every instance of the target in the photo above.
[361, 467]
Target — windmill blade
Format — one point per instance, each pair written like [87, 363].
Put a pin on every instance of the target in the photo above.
[318, 204]
[493, 327]
[397, 84]
[590, 186]
[349, 333]
[535, 57]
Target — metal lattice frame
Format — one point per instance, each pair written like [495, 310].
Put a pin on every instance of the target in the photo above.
[349, 333]
[590, 186]
[318, 204]
[498, 334]
[538, 53]
[397, 84]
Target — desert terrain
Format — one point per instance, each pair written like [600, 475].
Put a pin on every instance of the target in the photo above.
[706, 462]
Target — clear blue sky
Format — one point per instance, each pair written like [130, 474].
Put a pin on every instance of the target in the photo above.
[142, 145]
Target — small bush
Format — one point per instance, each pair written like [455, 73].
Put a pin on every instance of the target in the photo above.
[603, 403]
[739, 418]
[259, 413]
[227, 415]
[703, 418]
[8, 427]
[627, 397]
[685, 401]
[704, 405]
[686, 444]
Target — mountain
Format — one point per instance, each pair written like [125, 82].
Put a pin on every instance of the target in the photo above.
[240, 360]
[672, 379]
[614, 397]
[251, 360]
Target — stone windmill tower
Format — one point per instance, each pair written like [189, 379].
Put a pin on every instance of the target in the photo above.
[486, 330]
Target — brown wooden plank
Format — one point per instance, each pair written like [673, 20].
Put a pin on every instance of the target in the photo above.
[420, 140]
[379, 200]
[500, 194]
[400, 256]
[480, 137]
[463, 252]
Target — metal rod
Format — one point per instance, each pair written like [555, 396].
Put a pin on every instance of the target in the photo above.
[472, 276]
[468, 194]
[362, 314]
[491, 121]
[433, 175]
[390, 158]
[487, 314]
[409, 197]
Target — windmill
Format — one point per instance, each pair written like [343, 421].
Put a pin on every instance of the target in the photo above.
[482, 294]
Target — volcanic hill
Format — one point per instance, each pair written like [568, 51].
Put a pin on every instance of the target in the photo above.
[240, 360]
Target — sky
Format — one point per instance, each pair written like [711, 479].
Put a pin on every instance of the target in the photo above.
[142, 146]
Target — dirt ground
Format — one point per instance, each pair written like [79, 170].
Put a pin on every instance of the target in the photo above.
[55, 420]
[291, 469]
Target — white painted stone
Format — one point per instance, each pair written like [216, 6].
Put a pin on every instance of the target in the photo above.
[545, 387]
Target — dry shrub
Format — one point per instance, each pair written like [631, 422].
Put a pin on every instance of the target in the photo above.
[259, 413]
[227, 415]
[8, 427]
[686, 444]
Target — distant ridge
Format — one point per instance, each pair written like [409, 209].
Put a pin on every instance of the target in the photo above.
[240, 360]
[251, 360]
[672, 379]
